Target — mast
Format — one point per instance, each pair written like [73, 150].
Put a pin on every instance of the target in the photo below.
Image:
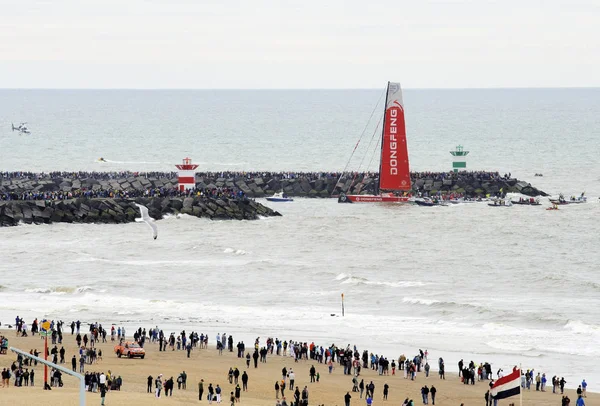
[387, 93]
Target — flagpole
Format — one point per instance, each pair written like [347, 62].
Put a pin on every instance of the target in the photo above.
[520, 388]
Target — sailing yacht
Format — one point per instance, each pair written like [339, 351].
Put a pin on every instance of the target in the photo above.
[394, 173]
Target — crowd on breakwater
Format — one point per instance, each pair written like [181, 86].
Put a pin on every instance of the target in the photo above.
[123, 194]
[360, 365]
[21, 175]
[65, 185]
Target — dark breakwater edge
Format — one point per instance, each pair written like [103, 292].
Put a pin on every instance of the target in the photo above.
[113, 211]
[254, 184]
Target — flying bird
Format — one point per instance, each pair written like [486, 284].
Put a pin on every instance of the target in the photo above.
[147, 219]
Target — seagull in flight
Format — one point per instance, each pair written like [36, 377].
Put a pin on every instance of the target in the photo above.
[147, 219]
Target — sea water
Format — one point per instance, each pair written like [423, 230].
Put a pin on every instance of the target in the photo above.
[511, 286]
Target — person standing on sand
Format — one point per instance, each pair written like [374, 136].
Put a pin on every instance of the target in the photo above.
[305, 396]
[580, 401]
[386, 389]
[150, 384]
[255, 358]
[584, 388]
[218, 393]
[371, 390]
[248, 360]
[158, 385]
[211, 391]
[369, 400]
[361, 386]
[200, 389]
[244, 381]
[433, 391]
[238, 393]
[297, 396]
[292, 376]
[347, 398]
[312, 373]
[276, 389]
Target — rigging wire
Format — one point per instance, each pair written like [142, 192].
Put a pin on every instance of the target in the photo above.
[367, 150]
[360, 138]
[374, 154]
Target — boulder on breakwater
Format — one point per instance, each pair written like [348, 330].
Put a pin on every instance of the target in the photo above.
[261, 184]
[106, 210]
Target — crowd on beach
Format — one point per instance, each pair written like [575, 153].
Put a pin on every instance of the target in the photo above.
[349, 359]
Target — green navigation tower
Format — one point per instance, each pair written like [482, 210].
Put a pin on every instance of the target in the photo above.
[460, 157]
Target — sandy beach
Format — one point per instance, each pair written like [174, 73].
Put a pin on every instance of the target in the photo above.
[207, 364]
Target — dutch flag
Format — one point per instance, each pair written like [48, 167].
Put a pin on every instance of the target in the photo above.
[507, 386]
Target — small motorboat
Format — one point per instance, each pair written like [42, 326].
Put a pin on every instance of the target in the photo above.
[427, 202]
[527, 202]
[279, 197]
[573, 200]
[460, 200]
[501, 203]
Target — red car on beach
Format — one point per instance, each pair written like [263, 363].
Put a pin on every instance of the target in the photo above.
[130, 350]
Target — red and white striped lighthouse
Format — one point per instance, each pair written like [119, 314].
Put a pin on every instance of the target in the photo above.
[187, 175]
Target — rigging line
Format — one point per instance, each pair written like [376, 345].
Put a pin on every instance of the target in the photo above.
[373, 155]
[366, 152]
[361, 135]
[370, 142]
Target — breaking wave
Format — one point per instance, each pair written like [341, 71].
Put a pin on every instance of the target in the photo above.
[579, 327]
[63, 290]
[357, 280]
[235, 252]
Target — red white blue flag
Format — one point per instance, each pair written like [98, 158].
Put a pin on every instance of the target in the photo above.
[507, 386]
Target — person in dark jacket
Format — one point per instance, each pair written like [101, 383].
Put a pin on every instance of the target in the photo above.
[347, 398]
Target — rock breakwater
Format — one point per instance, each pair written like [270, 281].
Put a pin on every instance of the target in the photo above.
[18, 186]
[110, 210]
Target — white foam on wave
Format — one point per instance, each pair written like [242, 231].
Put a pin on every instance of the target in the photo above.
[234, 251]
[579, 327]
[356, 280]
[416, 300]
[63, 290]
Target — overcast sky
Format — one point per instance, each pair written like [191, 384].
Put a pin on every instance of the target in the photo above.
[298, 44]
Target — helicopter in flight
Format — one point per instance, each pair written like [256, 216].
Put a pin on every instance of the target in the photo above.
[22, 128]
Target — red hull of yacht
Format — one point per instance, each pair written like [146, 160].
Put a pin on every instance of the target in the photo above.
[373, 199]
